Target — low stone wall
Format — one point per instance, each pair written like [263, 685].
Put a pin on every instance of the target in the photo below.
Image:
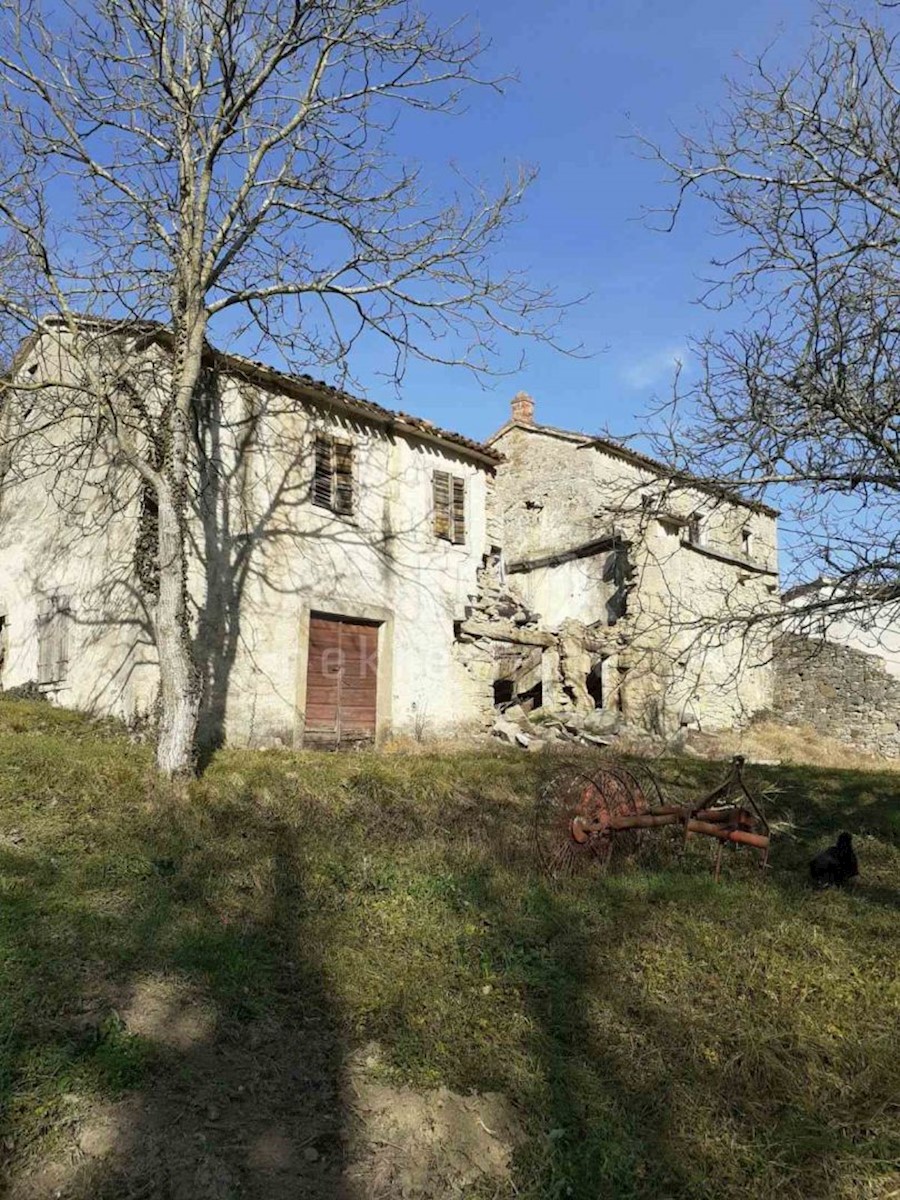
[842, 693]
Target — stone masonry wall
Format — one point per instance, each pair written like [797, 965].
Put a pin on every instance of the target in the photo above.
[690, 656]
[842, 693]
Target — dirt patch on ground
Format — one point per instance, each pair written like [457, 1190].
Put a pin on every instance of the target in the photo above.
[262, 1118]
[424, 1145]
[167, 1013]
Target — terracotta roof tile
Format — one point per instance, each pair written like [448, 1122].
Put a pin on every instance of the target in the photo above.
[315, 390]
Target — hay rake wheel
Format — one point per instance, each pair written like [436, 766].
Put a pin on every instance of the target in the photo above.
[572, 817]
[581, 813]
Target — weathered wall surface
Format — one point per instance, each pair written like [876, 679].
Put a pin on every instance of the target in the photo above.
[383, 561]
[263, 557]
[841, 692]
[577, 588]
[44, 552]
[682, 642]
[703, 659]
[68, 521]
[873, 629]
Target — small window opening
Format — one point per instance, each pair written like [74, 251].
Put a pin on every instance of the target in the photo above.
[696, 530]
[449, 496]
[747, 543]
[332, 485]
[504, 692]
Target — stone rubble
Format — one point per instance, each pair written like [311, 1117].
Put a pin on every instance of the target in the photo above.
[599, 728]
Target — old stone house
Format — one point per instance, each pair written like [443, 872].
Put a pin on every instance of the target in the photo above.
[356, 570]
[334, 544]
[655, 582]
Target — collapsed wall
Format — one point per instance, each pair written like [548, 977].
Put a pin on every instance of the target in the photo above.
[515, 660]
[842, 693]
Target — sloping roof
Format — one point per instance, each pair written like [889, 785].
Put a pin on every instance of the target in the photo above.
[626, 454]
[317, 391]
[304, 388]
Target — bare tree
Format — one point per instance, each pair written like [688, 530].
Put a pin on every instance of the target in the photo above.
[229, 163]
[800, 397]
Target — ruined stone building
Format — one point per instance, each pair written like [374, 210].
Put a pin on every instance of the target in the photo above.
[646, 581]
[356, 571]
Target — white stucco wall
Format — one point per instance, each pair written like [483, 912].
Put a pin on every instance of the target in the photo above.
[385, 557]
[45, 551]
[263, 557]
[577, 588]
[874, 630]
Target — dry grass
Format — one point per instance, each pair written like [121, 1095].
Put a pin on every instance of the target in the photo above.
[801, 745]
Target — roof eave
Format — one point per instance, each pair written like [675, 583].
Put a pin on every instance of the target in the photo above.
[309, 392]
[587, 441]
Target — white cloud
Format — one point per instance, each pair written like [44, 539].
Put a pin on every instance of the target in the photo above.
[653, 369]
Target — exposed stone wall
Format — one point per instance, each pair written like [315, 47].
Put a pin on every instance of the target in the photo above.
[498, 639]
[694, 656]
[502, 642]
[842, 693]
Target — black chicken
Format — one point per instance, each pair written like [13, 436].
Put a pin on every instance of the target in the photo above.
[835, 865]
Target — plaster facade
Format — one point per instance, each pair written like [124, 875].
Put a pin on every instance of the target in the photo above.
[826, 613]
[263, 557]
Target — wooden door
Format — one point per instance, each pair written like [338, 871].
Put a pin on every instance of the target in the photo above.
[341, 681]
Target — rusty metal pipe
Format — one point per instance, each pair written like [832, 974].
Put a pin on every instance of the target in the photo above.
[616, 824]
[723, 815]
[759, 840]
[683, 812]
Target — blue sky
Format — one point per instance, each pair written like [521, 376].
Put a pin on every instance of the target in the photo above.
[589, 74]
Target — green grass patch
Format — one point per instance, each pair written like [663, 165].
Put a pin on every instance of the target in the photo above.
[661, 1036]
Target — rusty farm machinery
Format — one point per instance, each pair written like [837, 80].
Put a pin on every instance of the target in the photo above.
[583, 812]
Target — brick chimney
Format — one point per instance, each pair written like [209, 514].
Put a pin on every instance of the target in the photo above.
[522, 408]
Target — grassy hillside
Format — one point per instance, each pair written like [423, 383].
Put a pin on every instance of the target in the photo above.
[209, 961]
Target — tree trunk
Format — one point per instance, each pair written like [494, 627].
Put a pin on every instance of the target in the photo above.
[179, 687]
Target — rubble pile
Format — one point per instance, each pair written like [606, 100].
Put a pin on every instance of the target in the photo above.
[494, 603]
[499, 641]
[598, 728]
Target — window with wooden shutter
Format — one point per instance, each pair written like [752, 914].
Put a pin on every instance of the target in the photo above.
[343, 477]
[440, 485]
[45, 638]
[449, 493]
[332, 485]
[458, 511]
[54, 617]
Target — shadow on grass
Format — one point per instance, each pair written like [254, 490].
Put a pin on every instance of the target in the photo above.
[169, 1033]
[669, 1037]
[659, 1036]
